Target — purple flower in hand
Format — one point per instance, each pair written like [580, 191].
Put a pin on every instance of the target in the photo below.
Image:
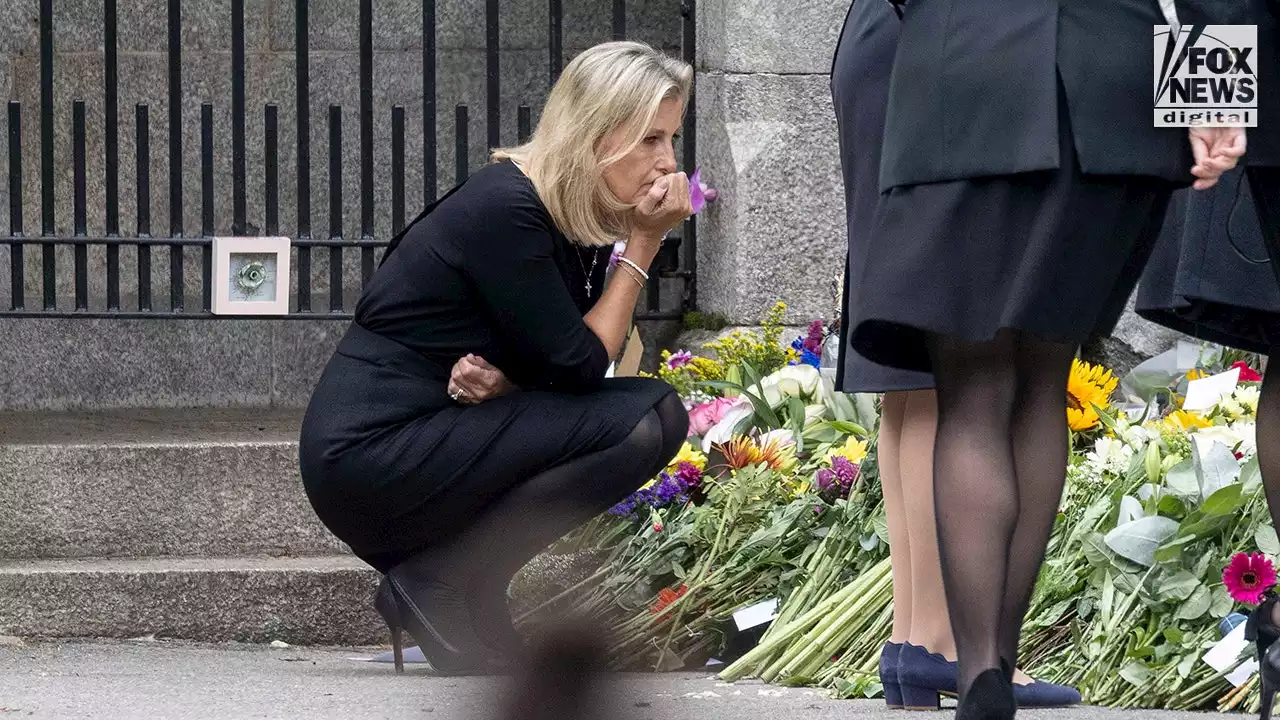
[700, 194]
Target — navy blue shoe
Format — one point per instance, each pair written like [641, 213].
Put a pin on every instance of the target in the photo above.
[889, 675]
[924, 677]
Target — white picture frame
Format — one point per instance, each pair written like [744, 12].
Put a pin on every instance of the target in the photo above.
[251, 275]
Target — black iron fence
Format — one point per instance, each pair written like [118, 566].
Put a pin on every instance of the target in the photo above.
[677, 261]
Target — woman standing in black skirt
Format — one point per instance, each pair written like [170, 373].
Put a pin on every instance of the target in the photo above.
[1215, 275]
[465, 421]
[917, 665]
[1024, 187]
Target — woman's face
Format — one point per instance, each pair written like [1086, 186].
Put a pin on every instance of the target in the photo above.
[632, 176]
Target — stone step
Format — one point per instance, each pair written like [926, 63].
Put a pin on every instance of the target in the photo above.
[111, 363]
[301, 601]
[162, 482]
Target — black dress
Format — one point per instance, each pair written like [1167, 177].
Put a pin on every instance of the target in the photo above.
[1053, 252]
[392, 465]
[860, 88]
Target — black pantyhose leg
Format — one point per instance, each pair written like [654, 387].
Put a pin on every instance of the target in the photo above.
[538, 512]
[975, 490]
[1040, 461]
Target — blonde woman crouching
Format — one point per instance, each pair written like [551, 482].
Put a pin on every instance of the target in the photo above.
[465, 421]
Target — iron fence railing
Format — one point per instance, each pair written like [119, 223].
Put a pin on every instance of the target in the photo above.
[678, 260]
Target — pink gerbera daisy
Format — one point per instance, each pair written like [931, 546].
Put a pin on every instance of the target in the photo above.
[1248, 577]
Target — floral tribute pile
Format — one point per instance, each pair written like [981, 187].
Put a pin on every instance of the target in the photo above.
[776, 496]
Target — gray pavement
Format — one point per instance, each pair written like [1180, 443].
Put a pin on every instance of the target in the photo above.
[200, 682]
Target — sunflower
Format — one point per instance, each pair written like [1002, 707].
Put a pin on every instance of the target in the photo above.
[1088, 385]
[1181, 421]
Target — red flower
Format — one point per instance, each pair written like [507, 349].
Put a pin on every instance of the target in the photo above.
[658, 527]
[666, 597]
[1247, 374]
[1248, 577]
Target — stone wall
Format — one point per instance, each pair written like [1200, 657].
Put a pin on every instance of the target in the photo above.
[270, 78]
[767, 140]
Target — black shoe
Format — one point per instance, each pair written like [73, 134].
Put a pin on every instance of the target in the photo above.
[1263, 633]
[990, 697]
[1270, 674]
[437, 617]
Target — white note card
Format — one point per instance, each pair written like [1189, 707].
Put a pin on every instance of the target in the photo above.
[1226, 653]
[1204, 393]
[756, 615]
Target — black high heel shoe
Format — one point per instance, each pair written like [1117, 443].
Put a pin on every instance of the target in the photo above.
[438, 620]
[990, 697]
[1263, 633]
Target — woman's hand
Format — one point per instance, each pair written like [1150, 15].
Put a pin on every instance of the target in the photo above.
[473, 381]
[666, 205]
[1217, 150]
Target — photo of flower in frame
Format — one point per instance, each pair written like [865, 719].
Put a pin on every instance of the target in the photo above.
[252, 277]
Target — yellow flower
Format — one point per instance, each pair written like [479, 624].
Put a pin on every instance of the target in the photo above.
[1087, 386]
[1196, 374]
[689, 454]
[853, 449]
[1183, 421]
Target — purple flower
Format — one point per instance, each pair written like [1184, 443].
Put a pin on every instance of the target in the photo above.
[845, 470]
[689, 474]
[666, 490]
[813, 341]
[826, 480]
[679, 360]
[699, 193]
[834, 483]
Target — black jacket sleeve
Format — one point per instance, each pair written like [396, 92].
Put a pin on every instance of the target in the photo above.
[517, 277]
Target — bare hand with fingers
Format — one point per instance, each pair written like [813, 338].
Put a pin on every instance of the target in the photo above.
[473, 381]
[1216, 150]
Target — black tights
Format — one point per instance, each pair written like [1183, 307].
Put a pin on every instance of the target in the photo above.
[999, 464]
[1265, 184]
[521, 523]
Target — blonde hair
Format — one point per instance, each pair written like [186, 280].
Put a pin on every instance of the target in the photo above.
[610, 86]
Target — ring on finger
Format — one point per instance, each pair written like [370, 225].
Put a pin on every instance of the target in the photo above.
[457, 394]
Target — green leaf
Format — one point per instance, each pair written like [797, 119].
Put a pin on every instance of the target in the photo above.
[1172, 550]
[1251, 476]
[1196, 606]
[849, 428]
[796, 408]
[1266, 541]
[721, 385]
[1225, 501]
[1221, 604]
[1181, 480]
[1179, 586]
[1137, 673]
[1138, 540]
[1171, 506]
[1174, 635]
[822, 433]
[1216, 468]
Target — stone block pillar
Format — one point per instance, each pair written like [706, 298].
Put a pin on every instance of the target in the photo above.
[767, 141]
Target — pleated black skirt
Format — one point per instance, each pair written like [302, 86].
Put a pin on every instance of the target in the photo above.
[1055, 254]
[1212, 275]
